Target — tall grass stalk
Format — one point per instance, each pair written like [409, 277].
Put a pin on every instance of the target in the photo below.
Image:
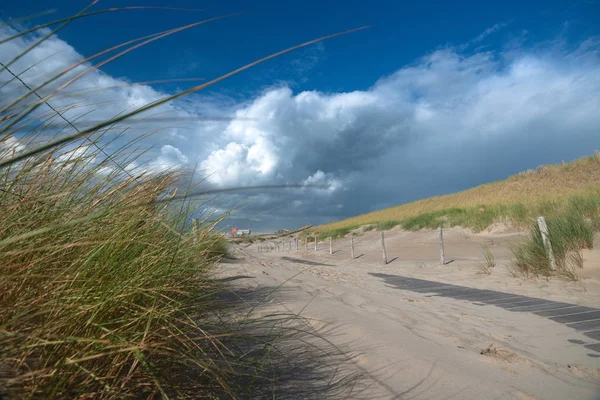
[489, 261]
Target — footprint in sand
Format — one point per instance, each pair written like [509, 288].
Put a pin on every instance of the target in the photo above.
[524, 396]
[411, 300]
[500, 353]
[584, 372]
[334, 292]
[371, 308]
[353, 299]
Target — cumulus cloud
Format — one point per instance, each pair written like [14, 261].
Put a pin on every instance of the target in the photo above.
[170, 158]
[448, 121]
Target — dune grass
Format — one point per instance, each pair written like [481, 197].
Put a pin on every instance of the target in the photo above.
[488, 263]
[568, 232]
[100, 307]
[105, 292]
[516, 201]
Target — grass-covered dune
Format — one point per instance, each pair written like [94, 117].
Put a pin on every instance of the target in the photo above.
[518, 200]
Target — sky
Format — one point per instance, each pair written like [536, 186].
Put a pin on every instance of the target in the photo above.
[432, 98]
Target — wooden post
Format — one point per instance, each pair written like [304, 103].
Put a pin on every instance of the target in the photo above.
[330, 246]
[195, 230]
[546, 239]
[383, 248]
[306, 244]
[297, 240]
[442, 258]
[352, 245]
[315, 243]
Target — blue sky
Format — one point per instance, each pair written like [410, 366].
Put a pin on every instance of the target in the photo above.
[435, 97]
[401, 32]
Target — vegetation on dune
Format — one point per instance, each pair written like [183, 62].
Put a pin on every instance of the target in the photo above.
[106, 293]
[489, 261]
[568, 232]
[517, 201]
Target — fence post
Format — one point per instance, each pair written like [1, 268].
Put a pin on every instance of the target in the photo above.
[383, 248]
[315, 243]
[330, 246]
[306, 244]
[442, 258]
[546, 239]
[352, 245]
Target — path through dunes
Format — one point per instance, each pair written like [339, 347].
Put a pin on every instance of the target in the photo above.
[421, 330]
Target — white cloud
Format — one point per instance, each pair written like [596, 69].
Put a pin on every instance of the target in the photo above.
[328, 181]
[9, 146]
[170, 158]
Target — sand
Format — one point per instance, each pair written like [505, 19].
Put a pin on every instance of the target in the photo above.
[418, 346]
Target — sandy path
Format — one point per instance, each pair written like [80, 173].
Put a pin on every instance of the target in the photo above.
[417, 346]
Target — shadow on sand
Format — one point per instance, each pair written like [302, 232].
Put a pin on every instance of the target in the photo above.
[283, 356]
